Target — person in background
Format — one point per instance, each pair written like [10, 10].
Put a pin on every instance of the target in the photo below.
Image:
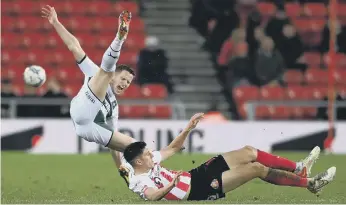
[6, 92]
[152, 64]
[213, 114]
[340, 38]
[54, 91]
[269, 64]
[230, 46]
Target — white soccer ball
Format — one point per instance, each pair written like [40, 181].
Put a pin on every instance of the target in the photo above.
[34, 75]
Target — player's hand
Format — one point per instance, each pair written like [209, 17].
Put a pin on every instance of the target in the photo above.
[195, 120]
[49, 13]
[176, 178]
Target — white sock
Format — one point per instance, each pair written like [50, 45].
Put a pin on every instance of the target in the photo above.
[299, 167]
[111, 56]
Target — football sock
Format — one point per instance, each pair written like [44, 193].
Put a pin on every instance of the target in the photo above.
[111, 56]
[275, 162]
[285, 178]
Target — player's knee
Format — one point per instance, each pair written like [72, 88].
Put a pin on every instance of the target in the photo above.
[250, 151]
[259, 168]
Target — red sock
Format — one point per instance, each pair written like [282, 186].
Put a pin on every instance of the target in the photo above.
[275, 162]
[285, 178]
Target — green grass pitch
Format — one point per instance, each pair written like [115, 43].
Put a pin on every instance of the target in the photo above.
[93, 179]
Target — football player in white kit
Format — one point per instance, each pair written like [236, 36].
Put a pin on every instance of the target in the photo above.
[94, 110]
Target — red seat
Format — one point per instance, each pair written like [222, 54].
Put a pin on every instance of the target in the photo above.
[266, 9]
[131, 6]
[315, 9]
[280, 113]
[132, 92]
[128, 58]
[341, 8]
[272, 93]
[316, 76]
[154, 91]
[138, 111]
[296, 93]
[135, 41]
[296, 112]
[292, 9]
[293, 77]
[71, 90]
[339, 59]
[340, 76]
[18, 89]
[160, 111]
[97, 9]
[316, 92]
[243, 94]
[312, 59]
[264, 112]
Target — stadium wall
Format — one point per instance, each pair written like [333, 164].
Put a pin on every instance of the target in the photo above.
[58, 136]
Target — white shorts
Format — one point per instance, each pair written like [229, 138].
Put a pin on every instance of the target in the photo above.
[88, 120]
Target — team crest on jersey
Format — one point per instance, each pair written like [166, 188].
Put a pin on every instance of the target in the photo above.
[215, 184]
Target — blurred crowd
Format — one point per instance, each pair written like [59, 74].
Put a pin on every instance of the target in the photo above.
[248, 48]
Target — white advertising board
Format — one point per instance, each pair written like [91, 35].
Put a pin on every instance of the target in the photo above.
[58, 136]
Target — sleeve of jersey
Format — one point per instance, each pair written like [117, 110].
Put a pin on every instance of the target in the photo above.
[157, 157]
[87, 66]
[141, 185]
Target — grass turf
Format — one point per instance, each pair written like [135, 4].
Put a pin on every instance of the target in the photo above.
[93, 179]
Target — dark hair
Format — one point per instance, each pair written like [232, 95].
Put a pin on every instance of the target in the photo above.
[127, 68]
[134, 150]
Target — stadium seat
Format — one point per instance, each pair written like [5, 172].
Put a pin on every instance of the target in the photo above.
[128, 58]
[101, 8]
[315, 10]
[245, 93]
[339, 59]
[264, 112]
[292, 9]
[280, 113]
[71, 90]
[160, 111]
[312, 59]
[154, 91]
[341, 8]
[316, 76]
[132, 92]
[138, 111]
[293, 77]
[316, 92]
[296, 112]
[272, 93]
[266, 8]
[295, 93]
[131, 6]
[18, 89]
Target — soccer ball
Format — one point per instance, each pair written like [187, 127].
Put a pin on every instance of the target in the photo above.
[34, 75]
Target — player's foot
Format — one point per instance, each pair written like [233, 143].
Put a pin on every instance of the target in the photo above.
[308, 162]
[124, 24]
[321, 180]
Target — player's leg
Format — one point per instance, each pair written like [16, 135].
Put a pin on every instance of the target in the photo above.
[249, 154]
[238, 176]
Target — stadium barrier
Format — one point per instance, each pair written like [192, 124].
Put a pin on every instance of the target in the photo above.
[58, 136]
[179, 111]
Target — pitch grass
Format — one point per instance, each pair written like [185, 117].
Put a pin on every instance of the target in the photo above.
[93, 179]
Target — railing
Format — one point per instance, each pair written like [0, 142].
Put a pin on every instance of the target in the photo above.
[252, 105]
[177, 107]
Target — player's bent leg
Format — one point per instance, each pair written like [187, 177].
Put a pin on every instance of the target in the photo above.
[241, 156]
[99, 83]
[94, 133]
[84, 106]
[119, 141]
[239, 175]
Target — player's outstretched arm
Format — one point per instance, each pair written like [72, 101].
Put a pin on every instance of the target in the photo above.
[70, 41]
[177, 144]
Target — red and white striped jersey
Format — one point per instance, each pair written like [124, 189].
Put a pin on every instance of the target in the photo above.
[159, 177]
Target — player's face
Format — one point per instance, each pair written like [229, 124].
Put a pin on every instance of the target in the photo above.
[147, 159]
[121, 82]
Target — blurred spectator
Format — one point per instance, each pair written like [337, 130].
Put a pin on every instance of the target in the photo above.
[6, 92]
[291, 47]
[276, 24]
[254, 32]
[213, 114]
[54, 91]
[29, 110]
[152, 64]
[269, 64]
[239, 70]
[340, 39]
[230, 46]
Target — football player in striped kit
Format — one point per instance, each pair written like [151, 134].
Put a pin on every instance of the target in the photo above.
[94, 110]
[219, 175]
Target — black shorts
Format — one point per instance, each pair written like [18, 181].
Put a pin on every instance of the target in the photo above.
[206, 180]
